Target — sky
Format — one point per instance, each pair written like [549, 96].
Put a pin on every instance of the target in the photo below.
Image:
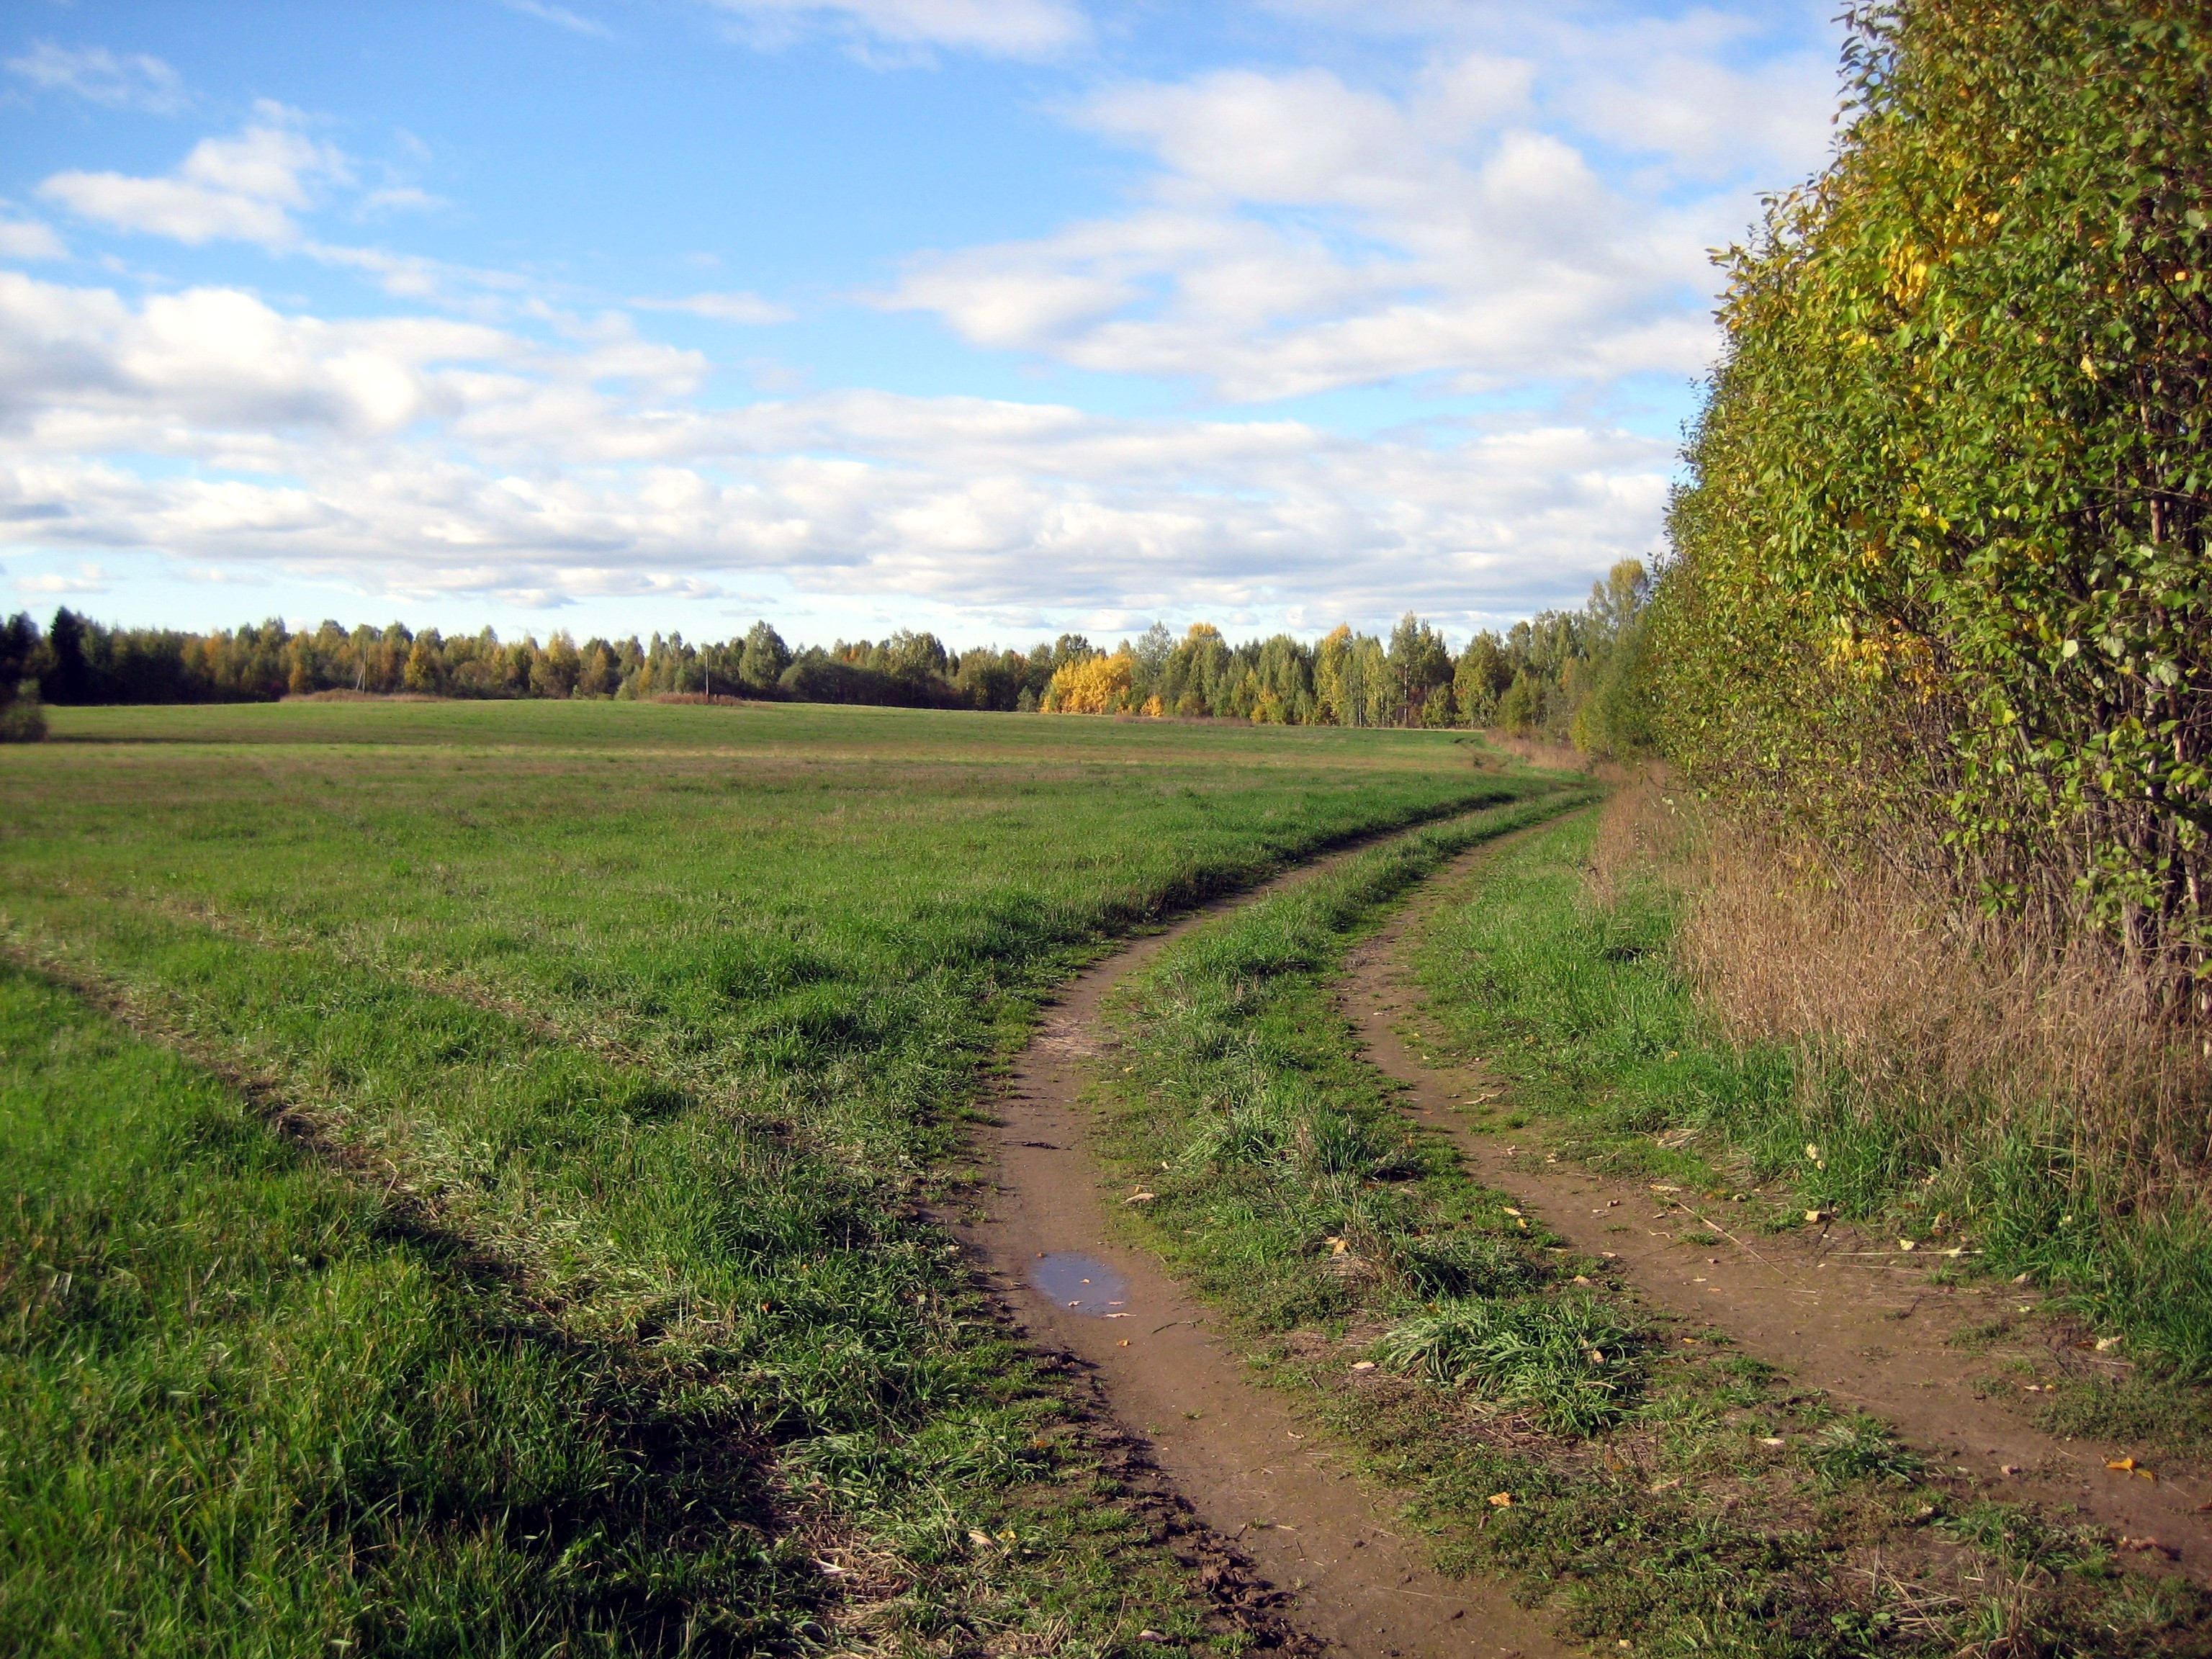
[997, 317]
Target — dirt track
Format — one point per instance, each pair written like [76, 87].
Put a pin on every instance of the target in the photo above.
[1236, 1451]
[1867, 1328]
[1839, 1313]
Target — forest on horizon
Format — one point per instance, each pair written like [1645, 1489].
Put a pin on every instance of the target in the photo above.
[1561, 673]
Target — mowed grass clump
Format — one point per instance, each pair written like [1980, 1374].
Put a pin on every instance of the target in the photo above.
[1655, 1487]
[672, 1018]
[245, 1408]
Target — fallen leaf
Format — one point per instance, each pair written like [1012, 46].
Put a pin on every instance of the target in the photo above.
[1665, 1486]
[1510, 1210]
[982, 1540]
[1819, 1215]
[1503, 1500]
[1362, 1364]
[2106, 1344]
[1141, 1198]
[1123, 1343]
[1338, 1246]
[2124, 1465]
[1907, 1244]
[1582, 1278]
[2020, 1278]
[2008, 1468]
[1771, 1440]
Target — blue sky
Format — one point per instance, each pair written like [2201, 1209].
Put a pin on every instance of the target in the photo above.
[998, 317]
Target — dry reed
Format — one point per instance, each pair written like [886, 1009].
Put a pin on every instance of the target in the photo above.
[1971, 1025]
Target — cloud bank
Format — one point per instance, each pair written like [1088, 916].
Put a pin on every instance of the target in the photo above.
[1516, 236]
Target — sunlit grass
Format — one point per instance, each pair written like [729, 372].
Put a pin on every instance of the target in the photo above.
[672, 1018]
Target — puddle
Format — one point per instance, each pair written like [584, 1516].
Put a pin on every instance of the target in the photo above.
[1079, 1283]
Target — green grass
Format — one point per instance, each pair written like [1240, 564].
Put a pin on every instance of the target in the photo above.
[1577, 1004]
[658, 1028]
[1663, 1492]
[246, 1410]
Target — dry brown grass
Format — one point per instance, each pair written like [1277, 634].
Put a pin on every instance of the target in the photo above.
[1928, 1009]
[1537, 751]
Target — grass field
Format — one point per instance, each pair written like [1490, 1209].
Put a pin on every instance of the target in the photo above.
[1673, 1497]
[582, 1072]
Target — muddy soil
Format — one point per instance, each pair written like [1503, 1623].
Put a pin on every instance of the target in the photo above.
[1237, 1451]
[1836, 1312]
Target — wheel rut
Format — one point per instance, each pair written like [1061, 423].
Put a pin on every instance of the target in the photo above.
[1249, 1465]
[1856, 1321]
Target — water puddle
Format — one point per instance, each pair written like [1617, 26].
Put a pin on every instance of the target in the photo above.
[1081, 1284]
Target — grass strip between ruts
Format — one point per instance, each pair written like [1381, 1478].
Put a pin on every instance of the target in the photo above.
[1666, 1493]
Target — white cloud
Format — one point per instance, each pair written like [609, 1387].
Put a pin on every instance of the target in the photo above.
[89, 579]
[118, 80]
[244, 188]
[27, 238]
[1001, 29]
[1482, 226]
[1306, 235]
[745, 310]
[413, 456]
[473, 290]
[560, 17]
[400, 199]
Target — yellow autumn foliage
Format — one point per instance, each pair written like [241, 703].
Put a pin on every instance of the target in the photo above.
[1096, 687]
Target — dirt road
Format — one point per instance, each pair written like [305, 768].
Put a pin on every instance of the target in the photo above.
[1238, 1452]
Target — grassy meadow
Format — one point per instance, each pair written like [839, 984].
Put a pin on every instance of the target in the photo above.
[473, 1165]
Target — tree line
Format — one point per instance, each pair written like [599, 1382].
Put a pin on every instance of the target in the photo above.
[1561, 674]
[1938, 596]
